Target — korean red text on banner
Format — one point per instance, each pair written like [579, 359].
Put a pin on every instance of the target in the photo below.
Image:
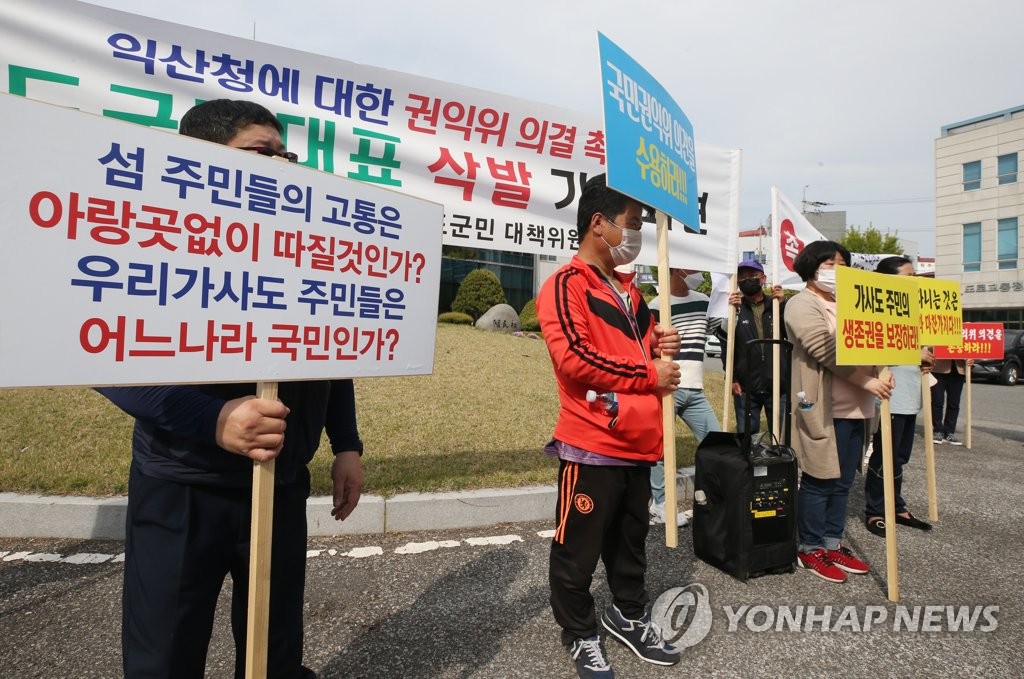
[876, 319]
[941, 313]
[493, 157]
[980, 341]
[164, 259]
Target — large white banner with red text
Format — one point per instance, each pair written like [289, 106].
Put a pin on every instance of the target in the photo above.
[508, 171]
[136, 256]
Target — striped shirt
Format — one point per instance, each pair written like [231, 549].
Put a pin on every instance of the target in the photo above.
[690, 318]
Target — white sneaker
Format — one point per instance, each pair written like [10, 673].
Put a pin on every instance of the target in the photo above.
[657, 515]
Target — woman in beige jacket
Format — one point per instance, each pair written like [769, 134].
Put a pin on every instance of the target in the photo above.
[830, 405]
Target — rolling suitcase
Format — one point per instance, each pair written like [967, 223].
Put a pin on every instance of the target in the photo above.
[744, 509]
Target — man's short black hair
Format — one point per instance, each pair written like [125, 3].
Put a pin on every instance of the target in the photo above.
[810, 258]
[219, 120]
[598, 198]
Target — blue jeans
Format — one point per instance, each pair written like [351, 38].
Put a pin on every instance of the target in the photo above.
[693, 406]
[759, 400]
[821, 503]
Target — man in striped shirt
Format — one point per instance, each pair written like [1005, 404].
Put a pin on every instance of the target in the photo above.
[689, 315]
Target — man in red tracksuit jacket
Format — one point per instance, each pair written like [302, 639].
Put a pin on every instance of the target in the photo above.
[604, 347]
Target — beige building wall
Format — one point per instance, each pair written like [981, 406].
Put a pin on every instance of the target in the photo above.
[995, 290]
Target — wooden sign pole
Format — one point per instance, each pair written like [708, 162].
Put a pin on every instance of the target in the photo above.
[259, 557]
[730, 354]
[929, 448]
[668, 401]
[891, 566]
[970, 423]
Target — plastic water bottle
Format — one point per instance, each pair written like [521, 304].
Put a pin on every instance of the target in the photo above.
[608, 399]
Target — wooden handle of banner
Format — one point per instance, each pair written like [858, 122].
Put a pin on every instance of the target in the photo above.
[891, 568]
[970, 420]
[668, 401]
[929, 448]
[259, 557]
[776, 370]
[730, 353]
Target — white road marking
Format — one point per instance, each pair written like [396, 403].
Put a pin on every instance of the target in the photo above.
[354, 553]
[494, 540]
[88, 558]
[420, 547]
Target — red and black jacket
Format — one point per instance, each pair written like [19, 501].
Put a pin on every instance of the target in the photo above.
[595, 346]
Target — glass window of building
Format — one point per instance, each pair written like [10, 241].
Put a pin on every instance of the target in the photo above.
[972, 175]
[972, 247]
[1007, 168]
[1006, 244]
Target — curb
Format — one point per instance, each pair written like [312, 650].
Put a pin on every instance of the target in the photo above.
[87, 518]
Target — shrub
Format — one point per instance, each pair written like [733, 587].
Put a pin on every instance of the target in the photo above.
[528, 317]
[455, 318]
[478, 292]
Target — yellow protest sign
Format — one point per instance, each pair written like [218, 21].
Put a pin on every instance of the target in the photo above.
[941, 315]
[876, 319]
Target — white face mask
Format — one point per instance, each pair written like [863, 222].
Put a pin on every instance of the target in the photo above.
[628, 249]
[826, 280]
[693, 280]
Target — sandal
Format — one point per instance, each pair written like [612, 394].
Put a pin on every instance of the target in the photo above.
[913, 522]
[876, 526]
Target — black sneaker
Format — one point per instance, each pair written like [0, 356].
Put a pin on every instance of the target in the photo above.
[952, 440]
[588, 657]
[938, 438]
[641, 636]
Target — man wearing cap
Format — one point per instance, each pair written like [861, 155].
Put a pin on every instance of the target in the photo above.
[753, 368]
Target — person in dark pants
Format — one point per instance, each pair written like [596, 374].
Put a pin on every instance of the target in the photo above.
[752, 370]
[190, 485]
[605, 349]
[904, 405]
[946, 392]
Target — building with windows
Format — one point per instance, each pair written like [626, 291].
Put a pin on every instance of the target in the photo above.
[979, 204]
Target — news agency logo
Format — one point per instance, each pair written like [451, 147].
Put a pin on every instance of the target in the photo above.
[684, 616]
[897, 619]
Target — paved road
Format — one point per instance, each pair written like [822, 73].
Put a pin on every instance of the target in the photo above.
[475, 603]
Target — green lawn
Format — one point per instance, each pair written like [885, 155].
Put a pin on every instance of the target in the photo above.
[479, 421]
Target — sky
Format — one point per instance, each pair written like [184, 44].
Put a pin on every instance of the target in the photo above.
[833, 102]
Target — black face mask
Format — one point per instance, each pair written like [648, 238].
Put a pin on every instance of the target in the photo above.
[750, 286]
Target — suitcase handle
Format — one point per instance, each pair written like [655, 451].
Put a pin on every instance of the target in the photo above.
[787, 347]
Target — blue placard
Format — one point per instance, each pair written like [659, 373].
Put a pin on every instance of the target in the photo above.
[648, 138]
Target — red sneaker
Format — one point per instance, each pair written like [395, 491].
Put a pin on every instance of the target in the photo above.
[844, 558]
[818, 563]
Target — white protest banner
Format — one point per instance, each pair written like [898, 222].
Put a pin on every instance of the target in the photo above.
[508, 171]
[138, 256]
[791, 231]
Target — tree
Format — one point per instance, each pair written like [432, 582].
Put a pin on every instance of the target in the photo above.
[478, 292]
[871, 242]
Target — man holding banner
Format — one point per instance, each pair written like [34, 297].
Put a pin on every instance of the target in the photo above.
[189, 489]
[604, 346]
[754, 320]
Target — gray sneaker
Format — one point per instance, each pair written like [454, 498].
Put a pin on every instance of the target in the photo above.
[642, 637]
[589, 658]
[952, 440]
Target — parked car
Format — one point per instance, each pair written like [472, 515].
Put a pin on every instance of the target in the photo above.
[712, 347]
[1006, 371]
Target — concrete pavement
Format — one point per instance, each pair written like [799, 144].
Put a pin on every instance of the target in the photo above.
[473, 602]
